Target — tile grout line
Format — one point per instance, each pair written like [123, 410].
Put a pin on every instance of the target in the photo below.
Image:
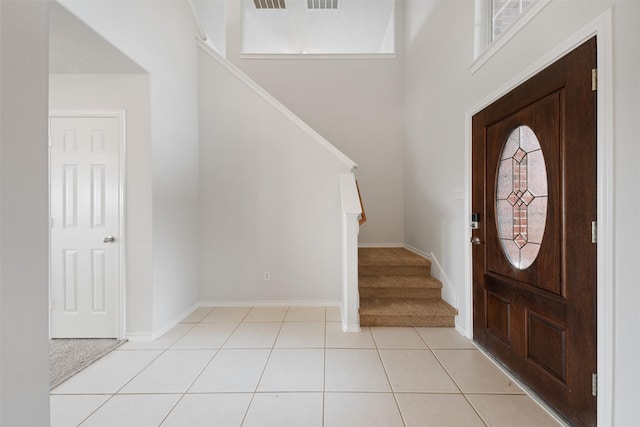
[324, 369]
[112, 395]
[444, 348]
[216, 352]
[95, 410]
[167, 349]
[253, 395]
[464, 396]
[393, 393]
[162, 351]
[527, 391]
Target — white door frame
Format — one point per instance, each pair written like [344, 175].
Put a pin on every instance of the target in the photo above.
[122, 240]
[601, 27]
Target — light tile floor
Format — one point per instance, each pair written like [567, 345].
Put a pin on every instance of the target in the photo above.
[288, 367]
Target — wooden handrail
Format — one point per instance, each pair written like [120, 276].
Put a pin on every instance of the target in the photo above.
[363, 217]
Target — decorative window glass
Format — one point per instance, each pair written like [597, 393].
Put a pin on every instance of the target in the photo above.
[504, 13]
[521, 197]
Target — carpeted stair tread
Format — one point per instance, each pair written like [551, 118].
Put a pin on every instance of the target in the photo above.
[395, 257]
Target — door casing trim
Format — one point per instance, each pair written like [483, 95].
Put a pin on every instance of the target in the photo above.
[122, 236]
[602, 28]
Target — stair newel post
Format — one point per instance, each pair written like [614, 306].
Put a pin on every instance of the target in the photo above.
[351, 212]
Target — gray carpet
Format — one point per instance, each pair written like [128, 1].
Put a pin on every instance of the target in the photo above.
[67, 356]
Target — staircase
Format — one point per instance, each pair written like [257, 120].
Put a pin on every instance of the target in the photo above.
[396, 289]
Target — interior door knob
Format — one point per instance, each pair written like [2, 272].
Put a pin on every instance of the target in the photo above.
[109, 239]
[475, 240]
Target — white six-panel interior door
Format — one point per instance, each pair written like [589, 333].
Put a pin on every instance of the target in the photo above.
[86, 224]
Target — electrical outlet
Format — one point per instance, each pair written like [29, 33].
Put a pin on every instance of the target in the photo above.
[267, 276]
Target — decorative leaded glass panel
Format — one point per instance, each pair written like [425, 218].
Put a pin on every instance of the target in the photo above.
[521, 197]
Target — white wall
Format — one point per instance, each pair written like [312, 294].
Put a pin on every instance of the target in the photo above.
[270, 199]
[626, 206]
[358, 109]
[159, 36]
[129, 93]
[356, 104]
[437, 84]
[439, 90]
[213, 17]
[356, 26]
[74, 48]
[24, 367]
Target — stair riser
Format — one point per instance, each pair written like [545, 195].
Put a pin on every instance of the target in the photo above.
[420, 282]
[390, 256]
[393, 270]
[417, 321]
[415, 293]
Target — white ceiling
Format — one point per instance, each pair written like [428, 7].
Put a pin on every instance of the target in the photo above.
[356, 26]
[74, 48]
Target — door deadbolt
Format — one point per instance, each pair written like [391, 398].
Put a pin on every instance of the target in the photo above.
[475, 221]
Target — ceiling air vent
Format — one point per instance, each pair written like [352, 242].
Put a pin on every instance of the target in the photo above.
[322, 4]
[270, 4]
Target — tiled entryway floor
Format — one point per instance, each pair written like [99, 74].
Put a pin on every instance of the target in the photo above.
[288, 367]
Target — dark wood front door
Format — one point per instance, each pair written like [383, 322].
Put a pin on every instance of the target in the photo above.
[534, 260]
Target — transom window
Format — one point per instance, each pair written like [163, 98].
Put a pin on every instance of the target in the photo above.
[497, 21]
[504, 13]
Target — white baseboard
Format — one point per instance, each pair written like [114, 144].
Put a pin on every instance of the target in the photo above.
[381, 245]
[160, 332]
[463, 331]
[138, 336]
[417, 251]
[271, 303]
[151, 336]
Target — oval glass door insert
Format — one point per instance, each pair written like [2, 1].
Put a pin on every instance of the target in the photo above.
[521, 197]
